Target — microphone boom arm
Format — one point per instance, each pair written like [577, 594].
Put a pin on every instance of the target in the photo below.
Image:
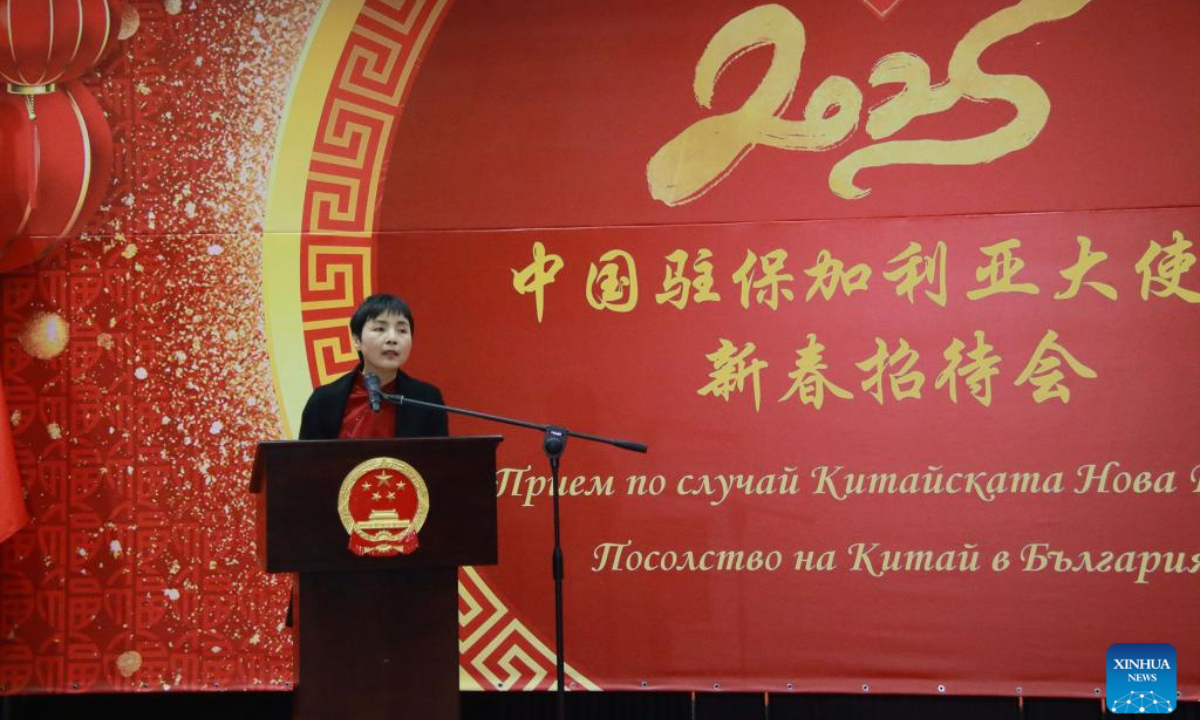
[401, 400]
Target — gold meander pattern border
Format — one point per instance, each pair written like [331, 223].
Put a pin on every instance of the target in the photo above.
[337, 244]
[337, 275]
[496, 650]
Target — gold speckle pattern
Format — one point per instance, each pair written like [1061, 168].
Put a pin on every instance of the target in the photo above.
[129, 662]
[131, 19]
[45, 336]
[158, 382]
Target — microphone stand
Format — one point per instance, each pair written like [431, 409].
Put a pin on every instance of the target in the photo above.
[554, 443]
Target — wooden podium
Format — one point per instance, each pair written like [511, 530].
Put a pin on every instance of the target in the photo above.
[378, 636]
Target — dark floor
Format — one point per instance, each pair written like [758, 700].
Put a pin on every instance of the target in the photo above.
[581, 706]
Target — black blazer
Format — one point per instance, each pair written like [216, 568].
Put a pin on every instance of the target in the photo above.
[322, 419]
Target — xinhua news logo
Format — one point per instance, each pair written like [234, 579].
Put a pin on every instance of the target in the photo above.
[1141, 678]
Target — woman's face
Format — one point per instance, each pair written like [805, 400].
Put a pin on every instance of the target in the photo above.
[385, 343]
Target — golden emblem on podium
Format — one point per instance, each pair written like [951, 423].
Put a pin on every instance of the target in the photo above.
[383, 503]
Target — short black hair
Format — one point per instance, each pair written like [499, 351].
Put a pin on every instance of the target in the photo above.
[375, 306]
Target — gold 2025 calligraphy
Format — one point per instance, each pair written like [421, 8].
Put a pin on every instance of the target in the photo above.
[706, 153]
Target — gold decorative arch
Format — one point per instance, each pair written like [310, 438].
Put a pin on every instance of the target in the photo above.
[319, 252]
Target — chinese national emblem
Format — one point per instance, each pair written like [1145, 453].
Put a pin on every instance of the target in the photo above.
[383, 503]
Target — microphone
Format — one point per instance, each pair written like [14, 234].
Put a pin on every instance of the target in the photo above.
[374, 391]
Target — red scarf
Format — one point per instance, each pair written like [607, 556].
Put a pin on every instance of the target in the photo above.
[359, 422]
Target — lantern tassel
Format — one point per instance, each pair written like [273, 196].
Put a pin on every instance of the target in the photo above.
[35, 153]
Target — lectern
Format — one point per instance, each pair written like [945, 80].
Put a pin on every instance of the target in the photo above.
[376, 530]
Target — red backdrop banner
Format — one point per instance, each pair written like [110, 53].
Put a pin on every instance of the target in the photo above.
[949, 441]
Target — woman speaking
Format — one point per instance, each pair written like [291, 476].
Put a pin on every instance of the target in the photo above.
[382, 331]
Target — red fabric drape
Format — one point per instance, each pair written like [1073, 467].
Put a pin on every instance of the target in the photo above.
[13, 513]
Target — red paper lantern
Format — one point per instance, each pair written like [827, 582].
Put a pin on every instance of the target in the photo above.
[54, 170]
[55, 147]
[45, 42]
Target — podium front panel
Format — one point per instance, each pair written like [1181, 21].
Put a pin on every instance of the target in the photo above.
[303, 531]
